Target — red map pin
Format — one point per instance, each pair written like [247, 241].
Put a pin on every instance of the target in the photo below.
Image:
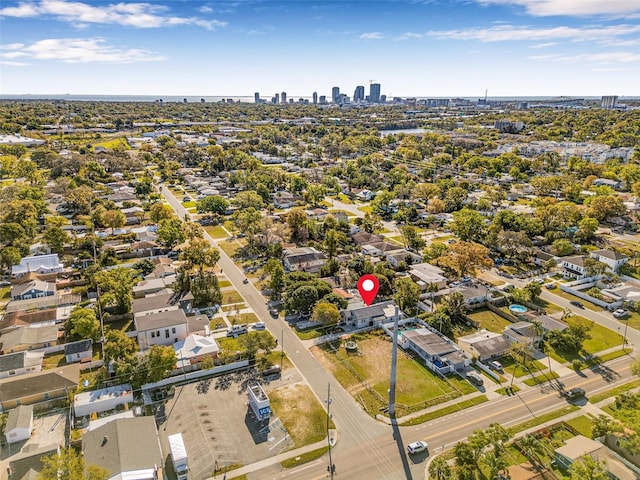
[368, 286]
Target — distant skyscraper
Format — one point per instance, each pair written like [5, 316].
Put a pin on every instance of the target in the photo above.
[315, 98]
[609, 101]
[358, 95]
[374, 93]
[383, 98]
[256, 97]
[323, 99]
[335, 94]
[277, 97]
[283, 97]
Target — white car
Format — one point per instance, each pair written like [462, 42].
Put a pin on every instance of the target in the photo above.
[259, 326]
[620, 313]
[417, 447]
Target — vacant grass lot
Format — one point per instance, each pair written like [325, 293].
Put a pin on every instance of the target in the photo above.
[243, 318]
[231, 296]
[582, 424]
[601, 339]
[366, 376]
[216, 232]
[567, 296]
[489, 320]
[300, 413]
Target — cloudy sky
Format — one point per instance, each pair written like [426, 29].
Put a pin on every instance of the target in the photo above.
[234, 48]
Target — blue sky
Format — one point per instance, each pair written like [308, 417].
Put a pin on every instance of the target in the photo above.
[234, 48]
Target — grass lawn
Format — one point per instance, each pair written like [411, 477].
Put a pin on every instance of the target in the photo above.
[365, 209]
[633, 320]
[509, 365]
[567, 296]
[446, 411]
[397, 240]
[545, 377]
[224, 283]
[308, 334]
[503, 391]
[582, 424]
[547, 306]
[216, 323]
[614, 391]
[417, 387]
[344, 198]
[601, 339]
[231, 296]
[113, 143]
[230, 247]
[5, 293]
[53, 361]
[234, 344]
[300, 413]
[243, 318]
[216, 232]
[489, 320]
[304, 458]
[539, 420]
[189, 204]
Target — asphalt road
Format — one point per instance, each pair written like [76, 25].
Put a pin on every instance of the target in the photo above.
[369, 449]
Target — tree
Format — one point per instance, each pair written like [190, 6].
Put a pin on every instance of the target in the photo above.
[205, 290]
[588, 468]
[9, 256]
[594, 267]
[159, 211]
[465, 258]
[118, 345]
[534, 290]
[69, 465]
[113, 219]
[326, 313]
[201, 254]
[454, 199]
[302, 299]
[532, 449]
[371, 223]
[170, 232]
[248, 199]
[602, 207]
[562, 247]
[118, 282]
[276, 272]
[604, 425]
[55, 238]
[469, 225]
[213, 204]
[84, 323]
[159, 361]
[296, 219]
[496, 463]
[407, 294]
[411, 237]
[439, 469]
[514, 244]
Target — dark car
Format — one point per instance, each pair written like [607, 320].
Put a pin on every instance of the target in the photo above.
[574, 393]
[273, 312]
[576, 303]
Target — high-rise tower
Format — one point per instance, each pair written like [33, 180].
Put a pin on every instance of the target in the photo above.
[374, 93]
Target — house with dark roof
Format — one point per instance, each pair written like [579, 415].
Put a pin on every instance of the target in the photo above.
[19, 424]
[58, 300]
[484, 345]
[438, 352]
[27, 464]
[365, 238]
[20, 363]
[161, 328]
[33, 289]
[37, 387]
[127, 448]
[80, 351]
[610, 258]
[522, 332]
[305, 259]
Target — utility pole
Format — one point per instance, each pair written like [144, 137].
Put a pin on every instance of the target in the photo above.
[331, 468]
[394, 357]
[281, 349]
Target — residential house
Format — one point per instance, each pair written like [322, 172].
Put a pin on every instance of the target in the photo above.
[378, 249]
[161, 328]
[194, 349]
[284, 199]
[365, 238]
[484, 345]
[318, 214]
[143, 248]
[37, 387]
[615, 184]
[33, 289]
[20, 363]
[612, 259]
[365, 195]
[127, 448]
[133, 215]
[540, 257]
[80, 351]
[39, 264]
[580, 446]
[359, 316]
[161, 302]
[474, 293]
[29, 462]
[438, 352]
[25, 338]
[151, 286]
[306, 259]
[33, 319]
[425, 274]
[59, 300]
[395, 257]
[522, 332]
[102, 400]
[573, 267]
[19, 424]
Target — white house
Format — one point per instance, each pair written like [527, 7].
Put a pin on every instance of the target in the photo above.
[439, 353]
[426, 274]
[613, 260]
[573, 267]
[78, 351]
[161, 328]
[359, 316]
[19, 424]
[484, 344]
[39, 264]
[194, 349]
[20, 363]
[102, 400]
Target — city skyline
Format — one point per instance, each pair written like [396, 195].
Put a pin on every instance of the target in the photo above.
[423, 49]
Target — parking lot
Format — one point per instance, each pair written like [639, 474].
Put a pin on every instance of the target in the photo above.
[218, 426]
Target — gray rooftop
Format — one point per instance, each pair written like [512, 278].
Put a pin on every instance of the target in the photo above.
[77, 347]
[160, 320]
[26, 464]
[429, 342]
[19, 417]
[123, 445]
[14, 361]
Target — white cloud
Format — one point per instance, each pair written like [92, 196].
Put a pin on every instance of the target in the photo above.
[543, 45]
[510, 33]
[78, 50]
[578, 8]
[599, 58]
[371, 36]
[10, 63]
[139, 15]
[205, 9]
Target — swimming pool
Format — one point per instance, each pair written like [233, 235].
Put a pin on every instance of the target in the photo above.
[518, 308]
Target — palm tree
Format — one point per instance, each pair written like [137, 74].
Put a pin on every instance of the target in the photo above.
[496, 463]
[532, 449]
[439, 469]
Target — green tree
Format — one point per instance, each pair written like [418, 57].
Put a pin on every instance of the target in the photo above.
[205, 290]
[466, 258]
[602, 207]
[170, 232]
[113, 219]
[588, 468]
[118, 282]
[326, 313]
[439, 469]
[248, 199]
[604, 425]
[9, 256]
[159, 362]
[276, 273]
[118, 345]
[69, 465]
[303, 299]
[159, 211]
[213, 204]
[407, 294]
[296, 219]
[469, 225]
[635, 367]
[411, 237]
[84, 323]
[55, 238]
[200, 254]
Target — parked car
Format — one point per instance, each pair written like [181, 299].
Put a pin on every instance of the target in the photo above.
[576, 303]
[259, 326]
[245, 281]
[550, 286]
[273, 312]
[620, 313]
[574, 393]
[495, 365]
[5, 283]
[236, 330]
[475, 378]
[417, 447]
[539, 281]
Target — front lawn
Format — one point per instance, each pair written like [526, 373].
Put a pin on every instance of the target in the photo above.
[583, 424]
[189, 204]
[510, 365]
[231, 296]
[216, 232]
[547, 306]
[489, 320]
[601, 339]
[243, 318]
[587, 304]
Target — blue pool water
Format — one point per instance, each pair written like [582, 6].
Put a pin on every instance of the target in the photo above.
[518, 308]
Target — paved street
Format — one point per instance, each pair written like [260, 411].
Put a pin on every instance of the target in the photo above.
[369, 449]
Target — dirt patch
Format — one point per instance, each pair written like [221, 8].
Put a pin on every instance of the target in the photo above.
[300, 413]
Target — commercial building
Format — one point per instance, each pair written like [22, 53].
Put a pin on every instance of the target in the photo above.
[374, 93]
[259, 402]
